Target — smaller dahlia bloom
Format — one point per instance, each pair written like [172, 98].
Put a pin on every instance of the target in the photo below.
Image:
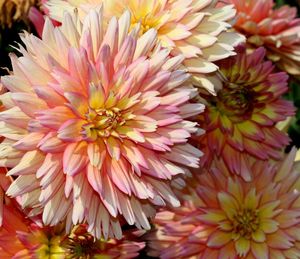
[235, 219]
[14, 10]
[278, 30]
[97, 124]
[197, 29]
[81, 244]
[240, 122]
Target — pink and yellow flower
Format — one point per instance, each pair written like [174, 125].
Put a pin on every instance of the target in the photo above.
[235, 219]
[96, 124]
[277, 30]
[240, 121]
[197, 29]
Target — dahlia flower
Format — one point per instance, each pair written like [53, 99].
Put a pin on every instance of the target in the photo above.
[233, 219]
[97, 124]
[14, 10]
[277, 30]
[81, 244]
[240, 121]
[197, 29]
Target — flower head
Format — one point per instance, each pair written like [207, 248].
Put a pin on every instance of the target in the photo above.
[197, 29]
[81, 244]
[14, 10]
[95, 125]
[275, 29]
[233, 219]
[240, 121]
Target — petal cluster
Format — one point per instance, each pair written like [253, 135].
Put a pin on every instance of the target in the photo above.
[275, 29]
[96, 124]
[231, 218]
[240, 121]
[196, 29]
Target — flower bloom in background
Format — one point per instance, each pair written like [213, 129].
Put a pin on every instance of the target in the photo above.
[81, 244]
[232, 218]
[277, 30]
[196, 29]
[240, 121]
[15, 10]
[96, 124]
[20, 238]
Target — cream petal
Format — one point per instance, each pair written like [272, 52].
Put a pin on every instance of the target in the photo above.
[75, 158]
[29, 163]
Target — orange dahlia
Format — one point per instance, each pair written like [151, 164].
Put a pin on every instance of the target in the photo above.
[277, 30]
[235, 219]
[240, 121]
[197, 29]
[97, 124]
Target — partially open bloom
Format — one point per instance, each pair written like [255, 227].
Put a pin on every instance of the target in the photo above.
[96, 124]
[240, 121]
[197, 29]
[235, 219]
[14, 10]
[278, 30]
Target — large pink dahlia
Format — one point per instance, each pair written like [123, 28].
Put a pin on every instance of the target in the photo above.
[277, 30]
[197, 29]
[95, 126]
[240, 121]
[233, 219]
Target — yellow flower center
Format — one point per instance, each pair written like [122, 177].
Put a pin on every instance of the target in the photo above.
[245, 222]
[79, 244]
[146, 23]
[235, 101]
[102, 122]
